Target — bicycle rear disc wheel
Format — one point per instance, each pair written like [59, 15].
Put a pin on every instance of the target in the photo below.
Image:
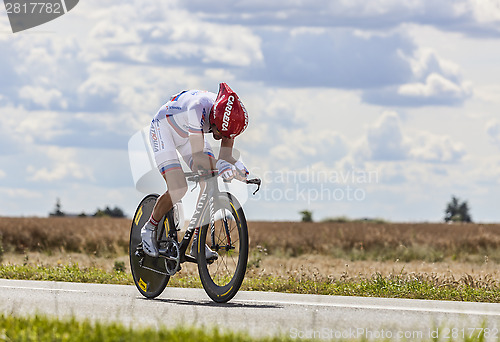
[229, 238]
[150, 278]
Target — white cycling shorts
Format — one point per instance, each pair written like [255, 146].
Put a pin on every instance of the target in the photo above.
[170, 135]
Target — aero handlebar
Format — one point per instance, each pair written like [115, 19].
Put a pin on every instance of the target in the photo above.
[205, 175]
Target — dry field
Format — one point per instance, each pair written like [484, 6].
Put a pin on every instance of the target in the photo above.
[277, 248]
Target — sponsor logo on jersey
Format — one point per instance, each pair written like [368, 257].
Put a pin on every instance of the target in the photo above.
[154, 138]
[227, 113]
[202, 121]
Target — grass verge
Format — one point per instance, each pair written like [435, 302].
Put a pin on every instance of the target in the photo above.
[68, 273]
[44, 329]
[403, 285]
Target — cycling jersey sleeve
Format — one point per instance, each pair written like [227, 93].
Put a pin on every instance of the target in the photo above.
[195, 119]
[198, 115]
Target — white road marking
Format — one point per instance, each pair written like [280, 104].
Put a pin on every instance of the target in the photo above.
[377, 307]
[39, 288]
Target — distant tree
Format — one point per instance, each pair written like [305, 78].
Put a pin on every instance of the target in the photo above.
[306, 216]
[57, 210]
[115, 212]
[457, 211]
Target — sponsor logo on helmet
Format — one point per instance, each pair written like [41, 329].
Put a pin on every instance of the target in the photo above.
[227, 113]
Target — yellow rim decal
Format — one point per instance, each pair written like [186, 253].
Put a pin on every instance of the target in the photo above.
[226, 292]
[199, 242]
[138, 216]
[143, 285]
[165, 223]
[235, 211]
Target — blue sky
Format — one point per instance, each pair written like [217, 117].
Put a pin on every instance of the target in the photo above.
[380, 109]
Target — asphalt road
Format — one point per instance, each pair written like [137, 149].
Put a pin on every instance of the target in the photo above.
[258, 313]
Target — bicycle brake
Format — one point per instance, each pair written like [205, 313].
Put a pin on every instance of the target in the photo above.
[255, 181]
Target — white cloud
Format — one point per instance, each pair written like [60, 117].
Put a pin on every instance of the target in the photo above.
[65, 165]
[434, 81]
[468, 16]
[484, 173]
[437, 79]
[299, 147]
[107, 32]
[2, 174]
[426, 61]
[486, 11]
[46, 98]
[333, 58]
[435, 87]
[42, 70]
[174, 37]
[20, 194]
[11, 141]
[429, 147]
[493, 131]
[386, 140]
[40, 126]
[99, 91]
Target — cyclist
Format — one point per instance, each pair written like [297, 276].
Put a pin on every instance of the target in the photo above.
[181, 125]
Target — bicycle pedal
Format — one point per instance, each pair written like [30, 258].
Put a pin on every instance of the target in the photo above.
[211, 260]
[139, 252]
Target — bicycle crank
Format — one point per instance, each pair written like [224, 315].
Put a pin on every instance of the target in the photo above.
[172, 255]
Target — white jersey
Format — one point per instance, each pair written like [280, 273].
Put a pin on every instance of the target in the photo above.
[191, 109]
[186, 113]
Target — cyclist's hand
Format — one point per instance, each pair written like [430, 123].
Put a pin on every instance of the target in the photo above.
[226, 170]
[241, 171]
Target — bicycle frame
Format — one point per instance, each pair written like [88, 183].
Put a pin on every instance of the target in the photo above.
[205, 202]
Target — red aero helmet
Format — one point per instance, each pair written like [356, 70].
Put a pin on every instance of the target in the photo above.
[229, 114]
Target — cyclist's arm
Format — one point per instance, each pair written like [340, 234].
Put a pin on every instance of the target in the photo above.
[200, 159]
[196, 138]
[226, 150]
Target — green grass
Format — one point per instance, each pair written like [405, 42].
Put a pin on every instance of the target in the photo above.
[69, 273]
[414, 286]
[377, 286]
[44, 329]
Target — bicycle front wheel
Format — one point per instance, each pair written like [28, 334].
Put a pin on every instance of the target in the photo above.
[228, 236]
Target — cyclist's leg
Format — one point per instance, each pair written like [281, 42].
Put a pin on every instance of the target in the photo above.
[176, 189]
[169, 140]
[163, 142]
